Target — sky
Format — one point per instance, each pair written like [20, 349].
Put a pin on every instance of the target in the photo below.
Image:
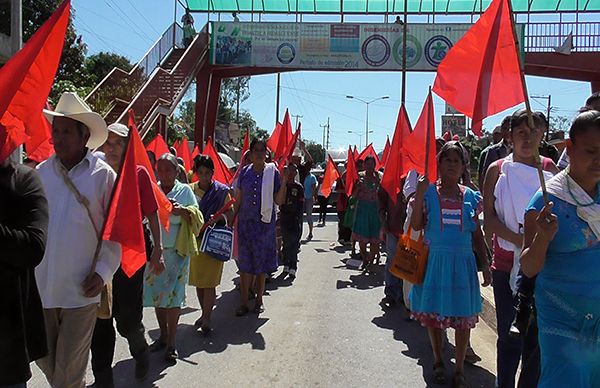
[130, 27]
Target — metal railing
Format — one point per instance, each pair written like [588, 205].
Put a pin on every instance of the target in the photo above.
[544, 37]
[119, 84]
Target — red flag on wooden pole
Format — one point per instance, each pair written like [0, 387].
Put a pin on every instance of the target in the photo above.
[141, 159]
[351, 172]
[393, 173]
[183, 151]
[274, 138]
[222, 173]
[124, 219]
[331, 175]
[386, 152]
[289, 151]
[481, 74]
[285, 136]
[25, 82]
[158, 146]
[370, 151]
[419, 145]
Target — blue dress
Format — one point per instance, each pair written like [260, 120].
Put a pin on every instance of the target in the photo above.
[567, 298]
[167, 290]
[449, 295]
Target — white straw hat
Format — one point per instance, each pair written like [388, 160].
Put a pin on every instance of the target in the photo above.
[71, 106]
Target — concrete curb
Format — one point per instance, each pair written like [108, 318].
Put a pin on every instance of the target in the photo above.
[488, 312]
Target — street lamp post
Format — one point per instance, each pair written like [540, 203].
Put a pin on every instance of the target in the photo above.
[367, 103]
[360, 135]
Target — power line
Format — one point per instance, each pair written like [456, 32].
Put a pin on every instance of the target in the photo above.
[130, 22]
[143, 17]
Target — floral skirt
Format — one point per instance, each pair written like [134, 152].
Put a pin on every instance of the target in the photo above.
[437, 321]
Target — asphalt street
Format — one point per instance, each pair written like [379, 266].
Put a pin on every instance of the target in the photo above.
[325, 329]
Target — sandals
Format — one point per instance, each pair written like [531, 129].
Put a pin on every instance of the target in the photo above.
[156, 346]
[471, 357]
[259, 309]
[439, 373]
[459, 381]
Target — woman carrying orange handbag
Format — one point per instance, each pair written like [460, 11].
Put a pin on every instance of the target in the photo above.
[449, 296]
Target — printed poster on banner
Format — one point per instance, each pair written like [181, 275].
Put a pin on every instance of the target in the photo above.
[336, 46]
[455, 124]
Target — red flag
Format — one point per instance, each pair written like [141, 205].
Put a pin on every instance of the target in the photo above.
[141, 159]
[415, 154]
[370, 151]
[331, 175]
[351, 172]
[183, 151]
[158, 146]
[386, 152]
[481, 74]
[289, 150]
[124, 218]
[355, 153]
[392, 175]
[195, 152]
[25, 82]
[245, 149]
[222, 173]
[285, 136]
[39, 146]
[274, 139]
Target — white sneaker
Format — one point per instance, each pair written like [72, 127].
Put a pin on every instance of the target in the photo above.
[286, 269]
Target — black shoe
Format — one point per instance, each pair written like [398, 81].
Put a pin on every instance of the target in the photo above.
[142, 365]
[103, 380]
[520, 325]
[205, 330]
[240, 312]
[157, 345]
[389, 301]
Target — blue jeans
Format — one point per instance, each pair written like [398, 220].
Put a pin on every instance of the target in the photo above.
[393, 285]
[508, 348]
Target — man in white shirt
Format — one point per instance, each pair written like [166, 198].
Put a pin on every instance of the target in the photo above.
[69, 282]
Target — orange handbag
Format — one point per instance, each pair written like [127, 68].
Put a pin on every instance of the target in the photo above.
[410, 260]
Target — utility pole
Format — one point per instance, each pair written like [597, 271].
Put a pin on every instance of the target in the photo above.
[278, 96]
[297, 117]
[325, 135]
[237, 114]
[548, 98]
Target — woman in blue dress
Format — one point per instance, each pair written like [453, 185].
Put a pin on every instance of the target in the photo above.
[562, 247]
[164, 288]
[449, 296]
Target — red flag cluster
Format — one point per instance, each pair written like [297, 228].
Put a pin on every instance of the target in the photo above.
[183, 151]
[222, 173]
[25, 82]
[411, 149]
[158, 146]
[370, 151]
[283, 142]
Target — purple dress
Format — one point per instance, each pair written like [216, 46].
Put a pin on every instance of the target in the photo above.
[257, 250]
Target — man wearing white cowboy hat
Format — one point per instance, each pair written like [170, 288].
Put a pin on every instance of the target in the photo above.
[70, 280]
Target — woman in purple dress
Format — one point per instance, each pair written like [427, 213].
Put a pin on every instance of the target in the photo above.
[258, 191]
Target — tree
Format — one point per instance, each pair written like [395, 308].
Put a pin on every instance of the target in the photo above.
[255, 133]
[97, 66]
[559, 123]
[316, 151]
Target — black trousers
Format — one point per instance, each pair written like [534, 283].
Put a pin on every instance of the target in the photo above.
[344, 233]
[291, 244]
[323, 201]
[127, 312]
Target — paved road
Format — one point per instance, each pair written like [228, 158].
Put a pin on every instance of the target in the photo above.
[326, 329]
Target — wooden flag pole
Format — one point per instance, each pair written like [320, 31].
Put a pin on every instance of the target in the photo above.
[530, 121]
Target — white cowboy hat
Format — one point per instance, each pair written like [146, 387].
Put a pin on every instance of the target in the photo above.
[70, 105]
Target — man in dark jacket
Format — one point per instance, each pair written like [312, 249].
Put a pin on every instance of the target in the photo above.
[23, 229]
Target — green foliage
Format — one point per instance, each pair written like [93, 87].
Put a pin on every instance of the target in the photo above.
[255, 133]
[316, 151]
[559, 123]
[97, 66]
[62, 86]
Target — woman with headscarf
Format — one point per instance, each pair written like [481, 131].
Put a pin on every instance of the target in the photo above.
[258, 190]
[165, 291]
[562, 247]
[206, 271]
